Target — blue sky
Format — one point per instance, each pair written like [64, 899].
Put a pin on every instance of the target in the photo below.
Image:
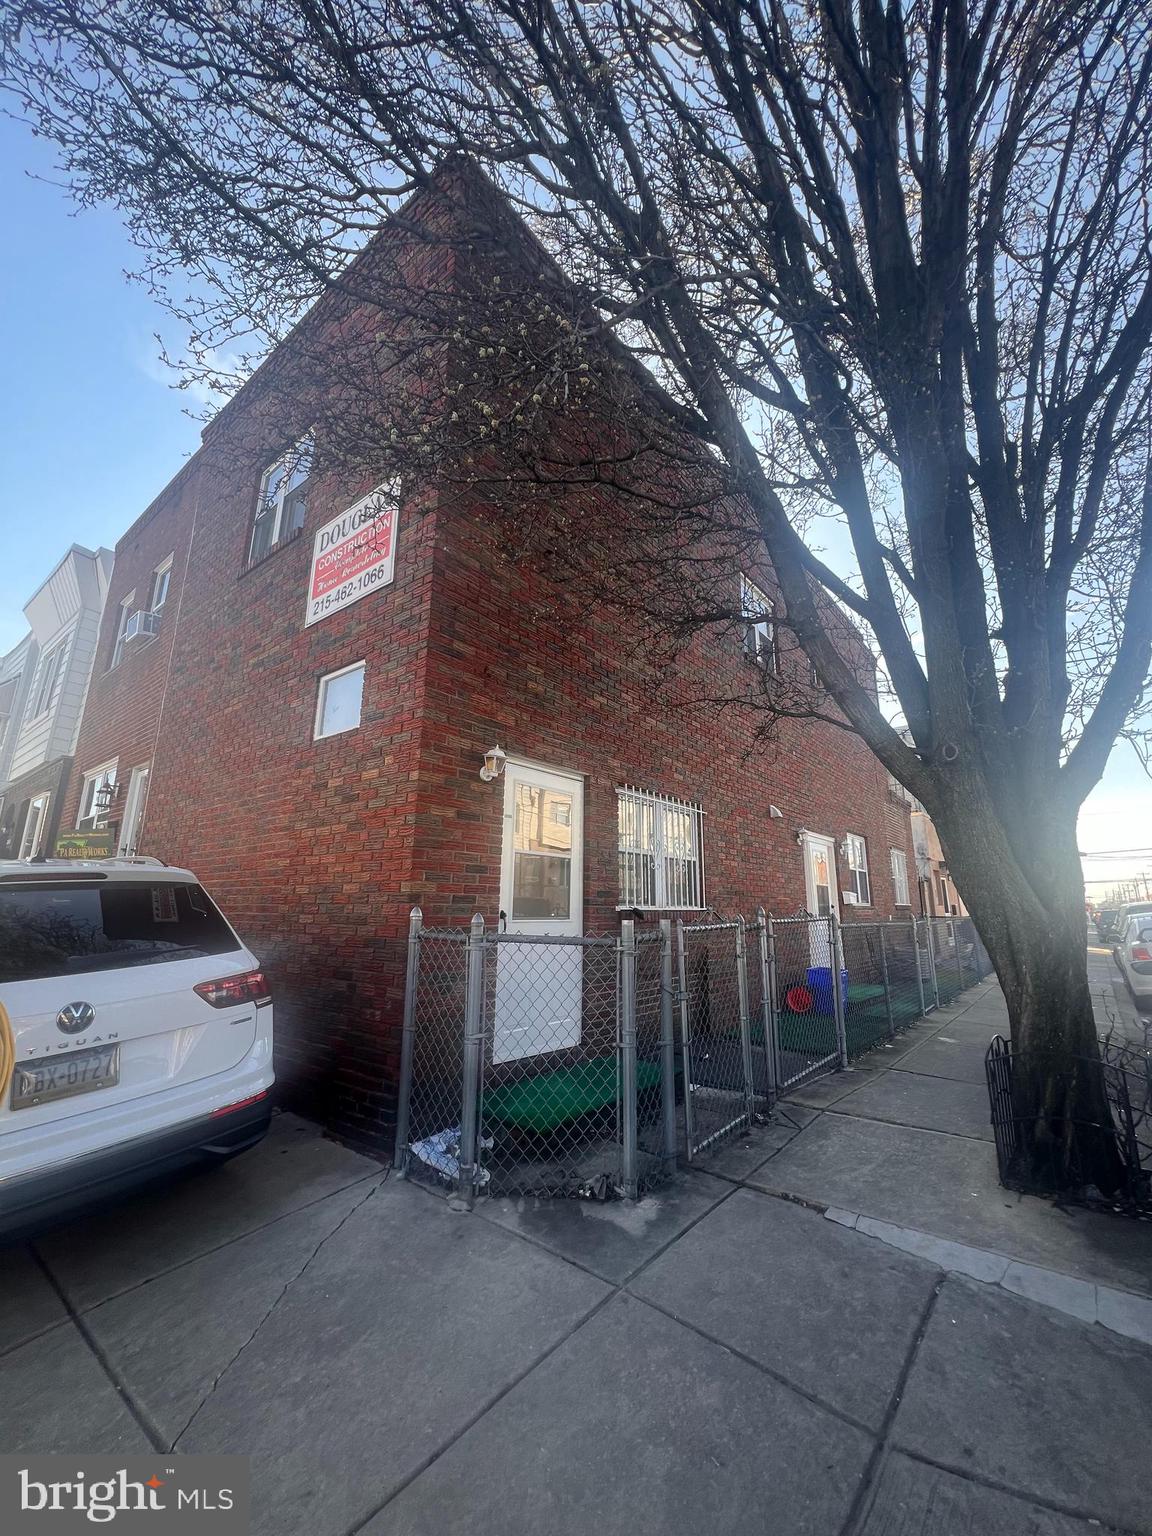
[92, 428]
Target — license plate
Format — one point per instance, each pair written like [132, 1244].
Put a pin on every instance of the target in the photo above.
[41, 1082]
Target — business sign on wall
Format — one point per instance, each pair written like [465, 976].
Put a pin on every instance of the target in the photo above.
[354, 554]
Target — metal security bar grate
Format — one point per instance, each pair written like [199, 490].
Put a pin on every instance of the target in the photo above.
[661, 851]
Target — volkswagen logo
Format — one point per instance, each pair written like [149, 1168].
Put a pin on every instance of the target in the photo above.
[75, 1017]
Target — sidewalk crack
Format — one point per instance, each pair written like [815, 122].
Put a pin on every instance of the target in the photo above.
[277, 1299]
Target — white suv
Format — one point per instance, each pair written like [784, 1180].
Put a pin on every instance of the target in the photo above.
[135, 1033]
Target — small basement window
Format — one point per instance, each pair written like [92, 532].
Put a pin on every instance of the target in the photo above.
[661, 851]
[339, 701]
[856, 851]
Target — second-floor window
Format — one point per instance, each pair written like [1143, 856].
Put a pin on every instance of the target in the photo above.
[759, 624]
[283, 500]
[7, 703]
[48, 676]
[856, 852]
[161, 580]
[127, 605]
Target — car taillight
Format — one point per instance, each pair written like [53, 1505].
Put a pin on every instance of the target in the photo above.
[227, 991]
[1141, 952]
[229, 1109]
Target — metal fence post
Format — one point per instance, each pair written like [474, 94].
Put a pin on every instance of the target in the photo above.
[887, 987]
[473, 1051]
[768, 994]
[667, 1045]
[628, 1058]
[956, 951]
[685, 1037]
[745, 1022]
[932, 959]
[837, 958]
[919, 968]
[407, 1041]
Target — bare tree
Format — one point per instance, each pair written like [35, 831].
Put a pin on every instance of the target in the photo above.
[889, 264]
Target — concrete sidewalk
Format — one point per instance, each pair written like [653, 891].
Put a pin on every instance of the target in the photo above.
[713, 1359]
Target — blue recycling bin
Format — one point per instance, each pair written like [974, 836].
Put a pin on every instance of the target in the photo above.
[820, 986]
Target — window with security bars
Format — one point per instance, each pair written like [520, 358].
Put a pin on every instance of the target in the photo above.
[856, 851]
[661, 847]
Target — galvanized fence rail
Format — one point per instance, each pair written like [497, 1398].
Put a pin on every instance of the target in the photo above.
[558, 1065]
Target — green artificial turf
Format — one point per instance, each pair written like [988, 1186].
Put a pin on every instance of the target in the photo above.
[542, 1103]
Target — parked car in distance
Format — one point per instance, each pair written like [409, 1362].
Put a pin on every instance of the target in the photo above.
[135, 1033]
[1105, 917]
[1134, 956]
[1120, 921]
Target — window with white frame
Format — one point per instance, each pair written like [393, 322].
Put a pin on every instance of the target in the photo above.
[661, 851]
[47, 677]
[856, 853]
[96, 798]
[759, 624]
[161, 580]
[282, 501]
[339, 701]
[127, 607]
[900, 876]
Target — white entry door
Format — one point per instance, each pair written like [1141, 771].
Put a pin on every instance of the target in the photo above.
[133, 811]
[35, 825]
[820, 886]
[539, 988]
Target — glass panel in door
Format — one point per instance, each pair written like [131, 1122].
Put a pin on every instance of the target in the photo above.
[539, 988]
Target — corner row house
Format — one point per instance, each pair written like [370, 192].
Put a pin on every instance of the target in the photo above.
[302, 717]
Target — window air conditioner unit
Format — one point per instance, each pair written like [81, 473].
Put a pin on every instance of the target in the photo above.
[140, 624]
[850, 898]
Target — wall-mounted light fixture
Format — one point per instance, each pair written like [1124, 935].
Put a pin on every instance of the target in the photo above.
[801, 834]
[104, 796]
[494, 760]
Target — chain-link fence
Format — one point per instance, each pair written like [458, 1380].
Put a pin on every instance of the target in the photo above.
[557, 1065]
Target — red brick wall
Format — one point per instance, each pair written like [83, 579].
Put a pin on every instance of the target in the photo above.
[306, 844]
[122, 710]
[512, 660]
[317, 850]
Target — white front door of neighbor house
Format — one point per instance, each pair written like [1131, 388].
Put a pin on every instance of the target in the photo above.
[35, 825]
[133, 811]
[539, 987]
[820, 888]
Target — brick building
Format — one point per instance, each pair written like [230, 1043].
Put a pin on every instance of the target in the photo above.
[43, 687]
[320, 766]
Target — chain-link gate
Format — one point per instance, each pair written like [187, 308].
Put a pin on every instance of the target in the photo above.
[723, 1092]
[808, 1007]
[548, 1065]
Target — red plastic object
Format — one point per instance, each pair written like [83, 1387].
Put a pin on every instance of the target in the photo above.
[799, 999]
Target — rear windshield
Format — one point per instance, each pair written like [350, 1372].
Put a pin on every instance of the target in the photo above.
[62, 929]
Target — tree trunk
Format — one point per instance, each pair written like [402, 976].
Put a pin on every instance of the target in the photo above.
[1027, 903]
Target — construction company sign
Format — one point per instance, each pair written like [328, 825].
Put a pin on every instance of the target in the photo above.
[354, 554]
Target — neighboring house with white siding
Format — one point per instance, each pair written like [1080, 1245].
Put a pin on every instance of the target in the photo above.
[51, 683]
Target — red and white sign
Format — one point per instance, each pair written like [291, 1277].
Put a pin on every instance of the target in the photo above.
[354, 554]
